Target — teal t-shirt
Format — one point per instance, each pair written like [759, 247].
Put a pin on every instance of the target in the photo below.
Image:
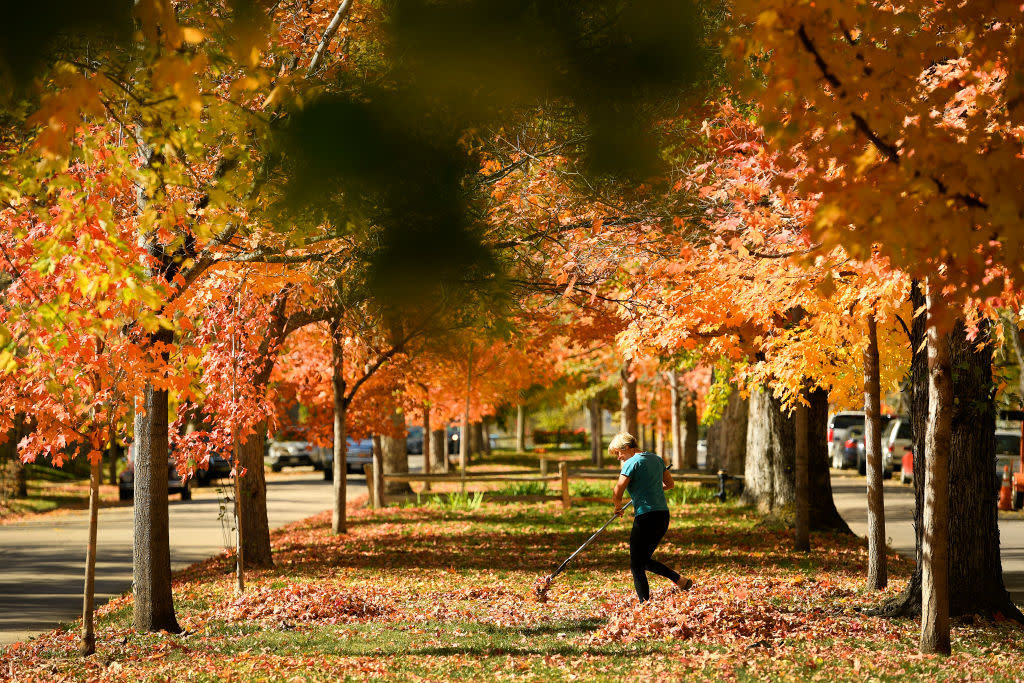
[646, 476]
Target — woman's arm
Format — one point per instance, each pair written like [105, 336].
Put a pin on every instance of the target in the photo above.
[667, 481]
[620, 488]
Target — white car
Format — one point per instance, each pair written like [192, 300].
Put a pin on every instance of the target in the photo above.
[897, 438]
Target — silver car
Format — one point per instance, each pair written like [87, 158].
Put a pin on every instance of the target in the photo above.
[896, 439]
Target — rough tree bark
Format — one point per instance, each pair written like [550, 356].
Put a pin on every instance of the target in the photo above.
[252, 489]
[427, 446]
[395, 456]
[688, 428]
[476, 438]
[974, 565]
[12, 470]
[151, 560]
[439, 451]
[339, 474]
[114, 455]
[377, 483]
[596, 442]
[464, 435]
[768, 480]
[770, 471]
[877, 571]
[630, 416]
[727, 437]
[938, 440]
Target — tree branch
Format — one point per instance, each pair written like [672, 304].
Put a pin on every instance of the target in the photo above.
[325, 41]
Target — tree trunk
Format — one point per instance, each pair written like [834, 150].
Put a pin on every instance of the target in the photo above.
[88, 645]
[629, 406]
[769, 480]
[934, 555]
[485, 433]
[396, 456]
[974, 565]
[439, 450]
[464, 435]
[377, 484]
[520, 429]
[688, 429]
[151, 561]
[660, 447]
[13, 481]
[877, 572]
[476, 434]
[339, 455]
[596, 439]
[802, 535]
[824, 515]
[426, 444]
[252, 489]
[727, 437]
[115, 455]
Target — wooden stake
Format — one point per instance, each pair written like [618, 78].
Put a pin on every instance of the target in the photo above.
[563, 472]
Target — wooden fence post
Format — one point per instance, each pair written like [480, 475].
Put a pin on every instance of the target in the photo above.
[368, 471]
[563, 471]
[543, 465]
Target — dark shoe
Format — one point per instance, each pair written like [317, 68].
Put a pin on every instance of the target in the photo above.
[685, 583]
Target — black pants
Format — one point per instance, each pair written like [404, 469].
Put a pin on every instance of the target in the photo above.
[648, 529]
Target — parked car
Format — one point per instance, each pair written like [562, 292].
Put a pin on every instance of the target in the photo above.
[838, 426]
[126, 480]
[358, 452]
[1007, 452]
[283, 454]
[848, 453]
[217, 468]
[896, 438]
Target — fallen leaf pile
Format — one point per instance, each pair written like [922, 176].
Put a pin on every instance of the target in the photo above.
[306, 603]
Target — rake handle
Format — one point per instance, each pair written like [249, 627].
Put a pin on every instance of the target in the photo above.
[588, 541]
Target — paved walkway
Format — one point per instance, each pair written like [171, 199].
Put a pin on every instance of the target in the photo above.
[851, 499]
[42, 561]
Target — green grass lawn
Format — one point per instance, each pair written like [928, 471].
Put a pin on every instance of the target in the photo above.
[436, 593]
[51, 488]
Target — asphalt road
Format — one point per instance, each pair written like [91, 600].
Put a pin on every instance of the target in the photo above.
[850, 492]
[42, 561]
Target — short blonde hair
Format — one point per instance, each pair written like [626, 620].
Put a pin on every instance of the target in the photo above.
[622, 440]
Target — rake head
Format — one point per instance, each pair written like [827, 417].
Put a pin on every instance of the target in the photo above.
[540, 589]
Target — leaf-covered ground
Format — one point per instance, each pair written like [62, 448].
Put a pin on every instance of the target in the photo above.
[419, 593]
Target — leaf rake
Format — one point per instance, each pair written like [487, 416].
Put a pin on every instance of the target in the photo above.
[540, 589]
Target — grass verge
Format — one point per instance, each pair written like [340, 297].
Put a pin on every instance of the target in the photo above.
[429, 593]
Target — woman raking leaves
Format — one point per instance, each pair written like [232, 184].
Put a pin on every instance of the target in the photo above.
[646, 478]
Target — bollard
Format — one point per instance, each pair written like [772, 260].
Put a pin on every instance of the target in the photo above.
[563, 471]
[723, 477]
[368, 472]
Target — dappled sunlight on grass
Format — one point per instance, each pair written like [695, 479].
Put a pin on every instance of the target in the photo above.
[425, 592]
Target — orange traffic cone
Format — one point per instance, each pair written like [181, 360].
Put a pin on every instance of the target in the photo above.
[1006, 492]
